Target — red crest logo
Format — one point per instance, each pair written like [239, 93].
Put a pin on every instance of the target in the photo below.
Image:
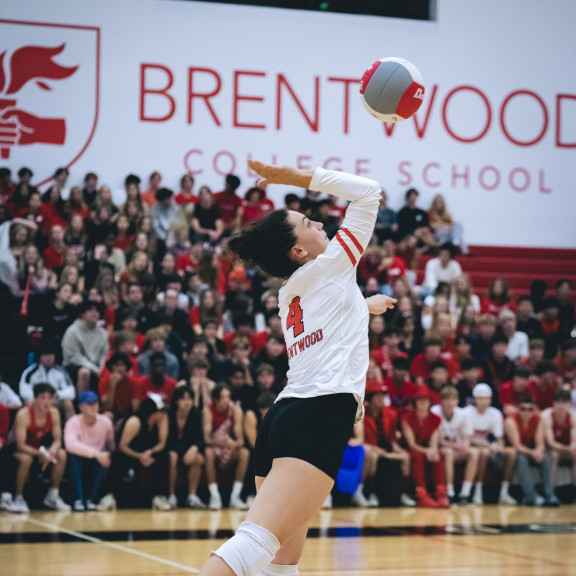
[49, 93]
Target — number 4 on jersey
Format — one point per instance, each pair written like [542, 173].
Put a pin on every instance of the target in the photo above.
[294, 319]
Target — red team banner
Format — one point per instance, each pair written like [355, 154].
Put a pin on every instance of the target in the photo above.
[201, 88]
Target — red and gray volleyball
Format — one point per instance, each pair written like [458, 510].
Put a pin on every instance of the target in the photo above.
[392, 89]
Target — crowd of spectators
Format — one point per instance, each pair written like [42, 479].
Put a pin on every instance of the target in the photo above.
[151, 357]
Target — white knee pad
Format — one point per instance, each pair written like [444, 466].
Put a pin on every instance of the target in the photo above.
[280, 570]
[250, 550]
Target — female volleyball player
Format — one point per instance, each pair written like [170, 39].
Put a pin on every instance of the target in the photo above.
[325, 322]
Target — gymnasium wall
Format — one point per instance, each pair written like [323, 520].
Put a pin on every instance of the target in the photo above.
[119, 86]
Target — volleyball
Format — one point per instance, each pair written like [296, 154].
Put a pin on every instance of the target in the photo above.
[392, 89]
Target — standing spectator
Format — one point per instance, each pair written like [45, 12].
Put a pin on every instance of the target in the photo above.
[486, 431]
[513, 391]
[155, 380]
[85, 347]
[498, 298]
[421, 431]
[517, 341]
[565, 308]
[47, 371]
[118, 390]
[89, 439]
[228, 201]
[39, 440]
[498, 368]
[525, 432]
[224, 439]
[185, 445]
[525, 320]
[142, 445]
[441, 269]
[560, 431]
[412, 221]
[455, 444]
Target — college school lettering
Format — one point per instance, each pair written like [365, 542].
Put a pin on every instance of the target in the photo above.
[303, 343]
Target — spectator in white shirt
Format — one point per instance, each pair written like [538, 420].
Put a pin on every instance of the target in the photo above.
[486, 431]
[47, 371]
[441, 269]
[455, 444]
[8, 397]
[517, 341]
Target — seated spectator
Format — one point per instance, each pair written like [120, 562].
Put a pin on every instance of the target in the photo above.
[118, 390]
[227, 201]
[455, 444]
[560, 433]
[438, 381]
[434, 305]
[462, 295]
[526, 321]
[385, 354]
[177, 316]
[462, 348]
[467, 322]
[486, 431]
[209, 307]
[399, 386]
[498, 368]
[89, 440]
[380, 441]
[551, 326]
[163, 213]
[156, 344]
[410, 335]
[498, 298]
[224, 440]
[250, 210]
[60, 313]
[441, 269]
[376, 327]
[535, 354]
[565, 308]
[481, 343]
[544, 383]
[386, 220]
[413, 222]
[207, 223]
[199, 382]
[517, 341]
[142, 445]
[442, 330]
[85, 347]
[185, 446]
[149, 196]
[186, 194]
[567, 361]
[39, 442]
[471, 374]
[511, 392]
[8, 398]
[443, 226]
[53, 255]
[525, 432]
[188, 262]
[155, 379]
[274, 354]
[133, 303]
[216, 346]
[47, 371]
[329, 220]
[373, 265]
[123, 233]
[128, 342]
[421, 366]
[421, 431]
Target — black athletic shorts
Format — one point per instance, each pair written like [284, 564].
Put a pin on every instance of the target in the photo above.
[315, 430]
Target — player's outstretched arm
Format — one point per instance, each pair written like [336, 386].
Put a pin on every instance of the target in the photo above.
[378, 304]
[281, 175]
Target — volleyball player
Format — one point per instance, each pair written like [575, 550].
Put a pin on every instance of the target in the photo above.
[325, 322]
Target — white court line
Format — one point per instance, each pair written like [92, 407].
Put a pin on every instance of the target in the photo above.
[459, 569]
[88, 538]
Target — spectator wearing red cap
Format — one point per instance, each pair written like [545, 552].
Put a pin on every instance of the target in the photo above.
[421, 431]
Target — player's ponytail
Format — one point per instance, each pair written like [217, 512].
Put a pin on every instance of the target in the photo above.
[267, 243]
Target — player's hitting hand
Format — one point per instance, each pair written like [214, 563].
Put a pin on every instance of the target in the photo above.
[378, 304]
[281, 175]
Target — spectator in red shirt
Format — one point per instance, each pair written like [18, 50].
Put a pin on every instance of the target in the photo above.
[54, 254]
[544, 383]
[149, 197]
[421, 366]
[250, 210]
[373, 265]
[498, 298]
[421, 430]
[385, 355]
[399, 386]
[157, 382]
[188, 262]
[77, 203]
[228, 201]
[511, 392]
[117, 389]
[186, 194]
[567, 361]
[525, 432]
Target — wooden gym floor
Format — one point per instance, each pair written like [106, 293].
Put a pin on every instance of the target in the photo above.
[463, 541]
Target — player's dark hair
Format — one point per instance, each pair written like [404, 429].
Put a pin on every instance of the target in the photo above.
[267, 243]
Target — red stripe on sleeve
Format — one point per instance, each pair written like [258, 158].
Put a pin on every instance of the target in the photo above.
[346, 249]
[354, 240]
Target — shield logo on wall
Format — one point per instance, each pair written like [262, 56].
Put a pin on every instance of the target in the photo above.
[49, 93]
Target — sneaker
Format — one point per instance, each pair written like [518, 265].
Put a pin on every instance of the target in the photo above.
[373, 501]
[173, 501]
[506, 500]
[443, 501]
[19, 505]
[215, 502]
[478, 499]
[328, 502]
[90, 505]
[106, 503]
[424, 499]
[237, 503]
[161, 503]
[194, 502]
[6, 502]
[552, 503]
[405, 500]
[464, 500]
[358, 499]
[56, 503]
[78, 506]
[454, 500]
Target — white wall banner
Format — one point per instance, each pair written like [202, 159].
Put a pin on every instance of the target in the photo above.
[120, 86]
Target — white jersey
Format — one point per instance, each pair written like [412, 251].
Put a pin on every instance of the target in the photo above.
[455, 429]
[480, 426]
[324, 315]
